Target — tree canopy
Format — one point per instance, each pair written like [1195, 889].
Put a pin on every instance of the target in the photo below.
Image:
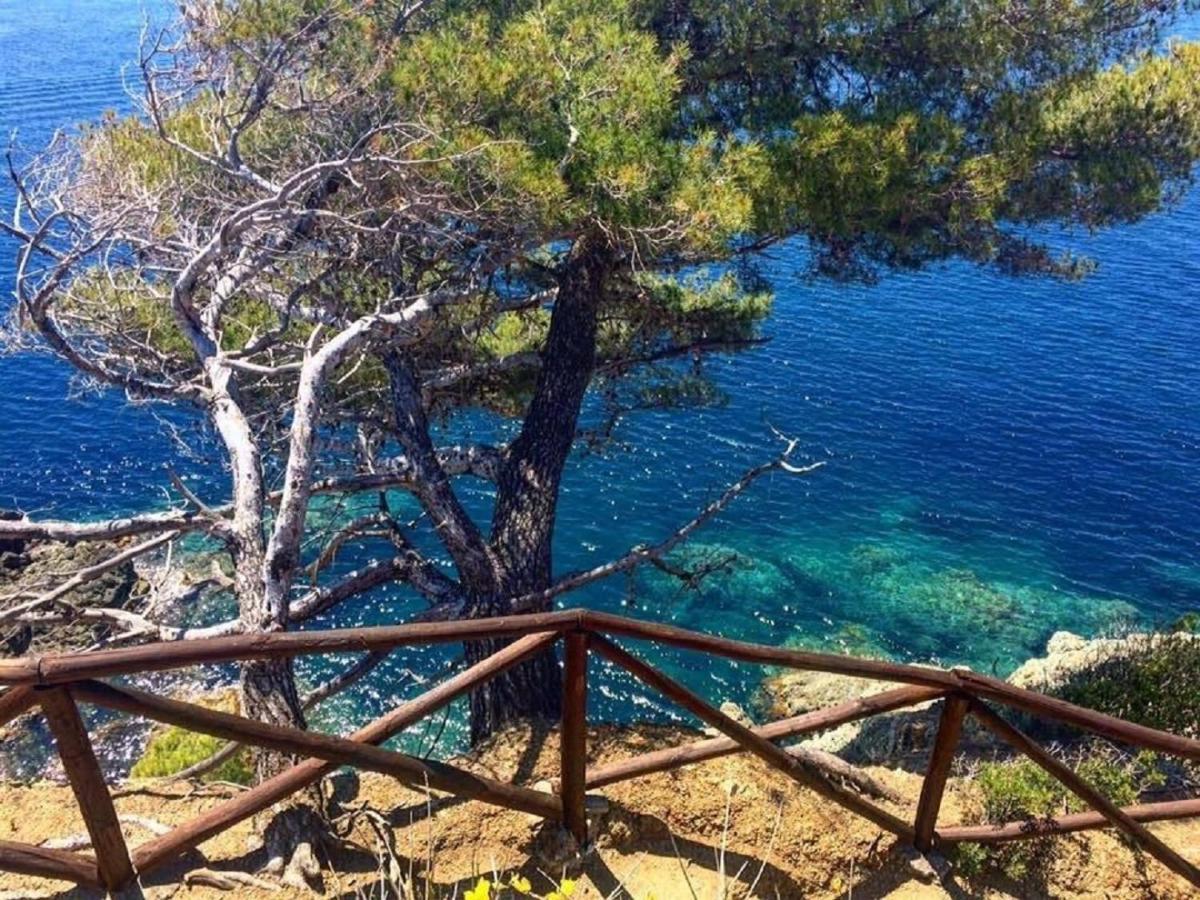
[331, 224]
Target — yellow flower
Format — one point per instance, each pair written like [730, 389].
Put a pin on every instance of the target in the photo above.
[567, 888]
[520, 884]
[481, 891]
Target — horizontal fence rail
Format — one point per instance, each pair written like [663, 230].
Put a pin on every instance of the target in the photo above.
[57, 684]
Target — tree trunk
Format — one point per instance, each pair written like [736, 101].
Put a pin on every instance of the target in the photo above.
[296, 829]
[269, 695]
[528, 489]
[531, 690]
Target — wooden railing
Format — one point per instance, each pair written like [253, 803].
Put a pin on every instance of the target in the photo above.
[57, 684]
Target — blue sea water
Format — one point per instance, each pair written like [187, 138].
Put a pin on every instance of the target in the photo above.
[1006, 457]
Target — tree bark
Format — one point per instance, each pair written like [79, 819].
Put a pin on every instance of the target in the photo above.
[268, 687]
[477, 566]
[528, 488]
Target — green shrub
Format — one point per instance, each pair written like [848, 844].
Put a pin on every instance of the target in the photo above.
[172, 750]
[1156, 683]
[970, 859]
[1116, 782]
[1020, 790]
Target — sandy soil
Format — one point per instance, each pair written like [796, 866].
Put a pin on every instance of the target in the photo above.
[662, 836]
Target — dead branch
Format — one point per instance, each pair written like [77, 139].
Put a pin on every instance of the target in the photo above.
[642, 554]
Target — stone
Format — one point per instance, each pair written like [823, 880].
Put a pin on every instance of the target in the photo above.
[735, 712]
[1064, 642]
[34, 567]
[793, 692]
[1068, 654]
[928, 868]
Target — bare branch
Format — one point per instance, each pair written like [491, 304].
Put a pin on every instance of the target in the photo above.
[83, 576]
[174, 521]
[642, 554]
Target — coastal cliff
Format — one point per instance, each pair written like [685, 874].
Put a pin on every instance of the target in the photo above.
[729, 827]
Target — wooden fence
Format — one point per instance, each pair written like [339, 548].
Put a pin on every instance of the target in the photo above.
[57, 684]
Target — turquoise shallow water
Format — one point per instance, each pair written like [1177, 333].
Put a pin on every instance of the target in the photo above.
[1005, 457]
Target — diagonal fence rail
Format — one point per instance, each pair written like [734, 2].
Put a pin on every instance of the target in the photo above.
[58, 684]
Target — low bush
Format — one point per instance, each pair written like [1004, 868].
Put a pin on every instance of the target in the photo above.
[1019, 790]
[171, 750]
[1155, 682]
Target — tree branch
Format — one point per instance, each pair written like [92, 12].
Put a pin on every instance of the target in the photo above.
[176, 521]
[640, 554]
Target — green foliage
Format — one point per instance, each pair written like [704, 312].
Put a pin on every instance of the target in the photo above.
[511, 333]
[680, 391]
[886, 138]
[700, 308]
[894, 138]
[970, 859]
[172, 750]
[1155, 681]
[1118, 783]
[561, 109]
[675, 136]
[1189, 622]
[1018, 790]
[135, 308]
[1102, 149]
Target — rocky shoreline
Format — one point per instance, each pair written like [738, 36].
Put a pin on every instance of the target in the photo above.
[900, 739]
[906, 735]
[29, 569]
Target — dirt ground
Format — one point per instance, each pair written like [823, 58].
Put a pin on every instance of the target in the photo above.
[728, 828]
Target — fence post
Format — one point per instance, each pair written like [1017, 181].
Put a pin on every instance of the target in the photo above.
[87, 782]
[940, 758]
[573, 738]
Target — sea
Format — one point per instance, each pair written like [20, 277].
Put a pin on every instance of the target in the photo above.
[1004, 457]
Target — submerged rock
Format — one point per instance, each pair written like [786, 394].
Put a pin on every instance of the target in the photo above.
[876, 559]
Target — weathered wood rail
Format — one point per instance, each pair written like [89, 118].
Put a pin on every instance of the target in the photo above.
[57, 684]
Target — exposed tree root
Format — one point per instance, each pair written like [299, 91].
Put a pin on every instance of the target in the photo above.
[837, 768]
[227, 881]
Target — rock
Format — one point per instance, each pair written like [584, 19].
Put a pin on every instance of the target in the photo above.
[554, 847]
[34, 567]
[11, 546]
[343, 786]
[1064, 642]
[794, 692]
[10, 561]
[884, 739]
[929, 868]
[735, 712]
[1068, 654]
